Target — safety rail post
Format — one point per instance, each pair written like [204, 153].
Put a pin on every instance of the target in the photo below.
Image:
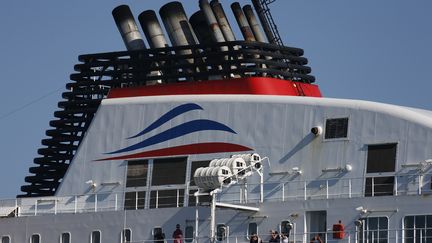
[261, 174]
[96, 199]
[396, 185]
[373, 187]
[304, 189]
[36, 207]
[55, 206]
[327, 189]
[136, 200]
[16, 208]
[76, 204]
[157, 199]
[178, 199]
[283, 192]
[115, 202]
[349, 188]
[420, 182]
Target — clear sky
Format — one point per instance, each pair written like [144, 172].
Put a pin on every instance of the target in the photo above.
[370, 50]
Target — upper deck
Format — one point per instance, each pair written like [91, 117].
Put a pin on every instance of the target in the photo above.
[378, 150]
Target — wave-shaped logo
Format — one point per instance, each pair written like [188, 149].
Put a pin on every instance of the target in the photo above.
[176, 132]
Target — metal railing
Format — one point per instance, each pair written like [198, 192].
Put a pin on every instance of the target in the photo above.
[273, 191]
[350, 236]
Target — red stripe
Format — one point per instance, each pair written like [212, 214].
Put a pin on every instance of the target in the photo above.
[198, 148]
[252, 85]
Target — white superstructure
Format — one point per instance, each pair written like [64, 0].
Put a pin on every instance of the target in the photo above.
[221, 140]
[370, 164]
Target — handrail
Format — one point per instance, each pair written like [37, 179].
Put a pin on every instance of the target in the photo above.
[275, 191]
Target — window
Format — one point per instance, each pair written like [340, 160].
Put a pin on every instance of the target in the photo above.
[35, 238]
[95, 237]
[167, 198]
[65, 237]
[221, 232]
[316, 222]
[5, 239]
[189, 231]
[418, 229]
[134, 200]
[158, 234]
[202, 199]
[137, 173]
[374, 230]
[252, 229]
[126, 235]
[381, 158]
[336, 128]
[379, 186]
[195, 166]
[169, 171]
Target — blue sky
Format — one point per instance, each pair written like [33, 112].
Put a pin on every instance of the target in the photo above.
[370, 50]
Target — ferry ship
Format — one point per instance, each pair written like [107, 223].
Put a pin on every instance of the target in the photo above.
[221, 139]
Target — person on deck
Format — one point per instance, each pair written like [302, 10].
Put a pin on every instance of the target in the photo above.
[274, 236]
[255, 239]
[178, 235]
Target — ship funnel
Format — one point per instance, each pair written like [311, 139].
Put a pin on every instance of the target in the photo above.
[205, 36]
[242, 22]
[128, 28]
[199, 25]
[253, 23]
[211, 21]
[222, 20]
[264, 23]
[177, 25]
[152, 29]
[179, 31]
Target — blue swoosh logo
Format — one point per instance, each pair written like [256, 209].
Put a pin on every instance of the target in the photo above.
[169, 116]
[178, 131]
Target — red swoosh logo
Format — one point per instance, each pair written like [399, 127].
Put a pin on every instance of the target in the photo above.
[197, 148]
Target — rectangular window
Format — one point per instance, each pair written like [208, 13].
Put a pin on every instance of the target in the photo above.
[5, 239]
[202, 199]
[65, 237]
[374, 230]
[167, 198]
[316, 222]
[221, 232]
[95, 237]
[195, 166]
[189, 233]
[379, 186]
[381, 158]
[127, 236]
[35, 238]
[137, 173]
[418, 228]
[336, 128]
[158, 234]
[169, 171]
[252, 229]
[134, 200]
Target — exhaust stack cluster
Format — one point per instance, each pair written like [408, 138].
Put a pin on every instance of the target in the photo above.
[209, 24]
[203, 46]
